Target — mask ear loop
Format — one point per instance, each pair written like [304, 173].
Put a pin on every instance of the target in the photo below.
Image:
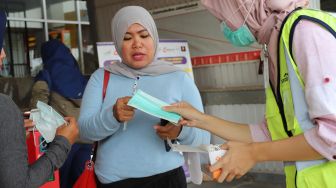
[134, 89]
[248, 13]
[42, 142]
[234, 12]
[34, 128]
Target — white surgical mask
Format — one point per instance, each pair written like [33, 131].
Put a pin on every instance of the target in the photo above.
[47, 120]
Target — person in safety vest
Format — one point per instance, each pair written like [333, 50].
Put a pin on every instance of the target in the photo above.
[300, 119]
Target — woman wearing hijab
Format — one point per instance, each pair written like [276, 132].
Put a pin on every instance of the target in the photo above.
[300, 119]
[15, 172]
[136, 156]
[61, 84]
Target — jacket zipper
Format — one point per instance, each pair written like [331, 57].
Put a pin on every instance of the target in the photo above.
[135, 85]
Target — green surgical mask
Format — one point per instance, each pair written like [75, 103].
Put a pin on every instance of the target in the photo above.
[152, 106]
[241, 37]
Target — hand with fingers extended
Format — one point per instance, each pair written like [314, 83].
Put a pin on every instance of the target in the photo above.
[191, 116]
[70, 131]
[168, 131]
[121, 111]
[236, 162]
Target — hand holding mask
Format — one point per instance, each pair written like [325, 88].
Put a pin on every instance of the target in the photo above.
[152, 106]
[47, 120]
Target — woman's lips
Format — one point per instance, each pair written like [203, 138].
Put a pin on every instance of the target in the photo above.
[138, 56]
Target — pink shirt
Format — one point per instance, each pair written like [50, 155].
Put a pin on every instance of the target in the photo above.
[314, 50]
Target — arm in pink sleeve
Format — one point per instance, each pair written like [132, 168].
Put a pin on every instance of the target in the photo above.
[260, 132]
[314, 52]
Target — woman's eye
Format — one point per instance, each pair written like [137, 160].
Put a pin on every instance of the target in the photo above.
[127, 38]
[145, 36]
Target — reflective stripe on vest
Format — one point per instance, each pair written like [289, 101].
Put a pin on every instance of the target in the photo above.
[300, 110]
[291, 90]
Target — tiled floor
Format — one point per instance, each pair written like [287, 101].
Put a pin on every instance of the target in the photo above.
[253, 180]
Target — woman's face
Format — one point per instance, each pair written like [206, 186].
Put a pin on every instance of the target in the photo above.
[137, 47]
[2, 55]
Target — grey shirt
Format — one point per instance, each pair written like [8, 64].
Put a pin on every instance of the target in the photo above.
[15, 172]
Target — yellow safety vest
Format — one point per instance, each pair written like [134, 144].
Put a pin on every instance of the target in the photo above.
[287, 115]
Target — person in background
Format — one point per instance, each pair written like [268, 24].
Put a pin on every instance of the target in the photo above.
[300, 119]
[15, 172]
[61, 84]
[136, 156]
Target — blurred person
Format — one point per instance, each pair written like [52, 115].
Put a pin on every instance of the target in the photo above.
[3, 20]
[136, 157]
[300, 118]
[61, 84]
[15, 172]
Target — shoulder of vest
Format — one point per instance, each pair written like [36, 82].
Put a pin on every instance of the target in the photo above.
[317, 16]
[322, 18]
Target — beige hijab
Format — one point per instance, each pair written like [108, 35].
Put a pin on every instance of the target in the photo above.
[264, 19]
[122, 20]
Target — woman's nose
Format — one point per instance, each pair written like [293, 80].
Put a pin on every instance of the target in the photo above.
[137, 43]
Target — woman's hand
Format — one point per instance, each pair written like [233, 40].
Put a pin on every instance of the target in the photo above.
[168, 131]
[28, 123]
[121, 111]
[236, 162]
[70, 131]
[191, 116]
